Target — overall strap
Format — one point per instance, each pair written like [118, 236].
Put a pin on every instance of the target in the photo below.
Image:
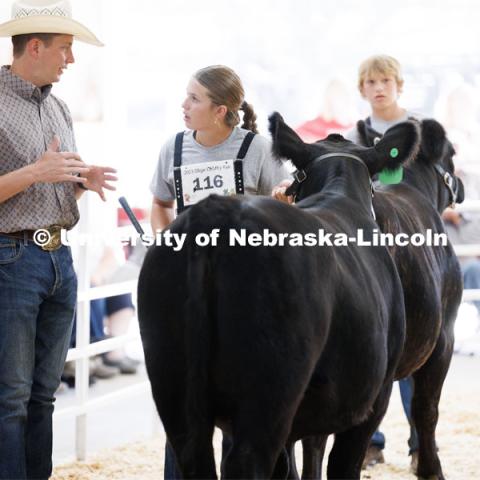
[177, 153]
[238, 163]
[177, 175]
[245, 145]
[367, 135]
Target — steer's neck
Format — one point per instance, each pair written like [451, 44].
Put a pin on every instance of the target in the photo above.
[427, 181]
[352, 187]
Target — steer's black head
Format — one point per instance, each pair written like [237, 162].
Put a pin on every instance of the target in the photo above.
[339, 164]
[432, 170]
[436, 152]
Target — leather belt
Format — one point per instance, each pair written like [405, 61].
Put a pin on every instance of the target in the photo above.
[21, 235]
[48, 238]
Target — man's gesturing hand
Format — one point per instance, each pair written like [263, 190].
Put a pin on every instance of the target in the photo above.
[99, 178]
[54, 166]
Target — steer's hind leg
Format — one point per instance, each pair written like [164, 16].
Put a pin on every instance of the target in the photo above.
[257, 448]
[313, 451]
[192, 450]
[426, 396]
[282, 467]
[349, 448]
[195, 456]
[260, 429]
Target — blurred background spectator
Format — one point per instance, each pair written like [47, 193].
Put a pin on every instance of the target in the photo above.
[337, 114]
[460, 118]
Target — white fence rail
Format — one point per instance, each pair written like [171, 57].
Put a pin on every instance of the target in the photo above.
[84, 350]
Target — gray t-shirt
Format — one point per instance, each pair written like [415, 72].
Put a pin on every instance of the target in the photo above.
[261, 172]
[381, 126]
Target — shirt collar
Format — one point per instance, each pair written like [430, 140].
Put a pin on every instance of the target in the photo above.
[22, 87]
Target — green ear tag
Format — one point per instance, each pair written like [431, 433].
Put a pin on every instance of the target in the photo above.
[394, 152]
[389, 177]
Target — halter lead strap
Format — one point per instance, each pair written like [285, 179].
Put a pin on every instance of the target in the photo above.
[451, 183]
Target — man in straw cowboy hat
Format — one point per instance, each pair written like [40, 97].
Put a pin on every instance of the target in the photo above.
[41, 177]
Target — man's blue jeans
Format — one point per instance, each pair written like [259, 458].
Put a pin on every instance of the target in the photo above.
[37, 302]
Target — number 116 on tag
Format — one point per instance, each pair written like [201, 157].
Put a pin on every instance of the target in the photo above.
[207, 183]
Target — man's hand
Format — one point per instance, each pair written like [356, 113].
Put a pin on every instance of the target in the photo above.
[278, 191]
[54, 166]
[97, 179]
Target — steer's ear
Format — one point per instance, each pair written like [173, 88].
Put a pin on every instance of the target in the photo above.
[433, 141]
[286, 144]
[399, 144]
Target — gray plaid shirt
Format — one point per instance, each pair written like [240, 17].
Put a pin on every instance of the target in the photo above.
[29, 118]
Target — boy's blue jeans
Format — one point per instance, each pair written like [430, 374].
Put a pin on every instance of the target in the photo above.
[406, 393]
[38, 292]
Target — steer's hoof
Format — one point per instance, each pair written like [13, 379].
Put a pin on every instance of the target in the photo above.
[374, 455]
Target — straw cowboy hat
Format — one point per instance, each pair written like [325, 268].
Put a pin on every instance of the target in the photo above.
[46, 16]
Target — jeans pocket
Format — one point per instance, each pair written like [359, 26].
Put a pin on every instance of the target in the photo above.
[10, 250]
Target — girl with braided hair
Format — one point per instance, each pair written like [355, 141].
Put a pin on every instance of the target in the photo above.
[215, 154]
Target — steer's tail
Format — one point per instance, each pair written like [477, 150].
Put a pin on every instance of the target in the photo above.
[199, 457]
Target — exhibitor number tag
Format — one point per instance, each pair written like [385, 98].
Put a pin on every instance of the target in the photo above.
[202, 179]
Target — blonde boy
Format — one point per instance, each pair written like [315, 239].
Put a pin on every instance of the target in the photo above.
[380, 83]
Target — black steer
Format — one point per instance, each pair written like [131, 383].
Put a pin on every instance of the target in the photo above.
[432, 284]
[431, 279]
[273, 343]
